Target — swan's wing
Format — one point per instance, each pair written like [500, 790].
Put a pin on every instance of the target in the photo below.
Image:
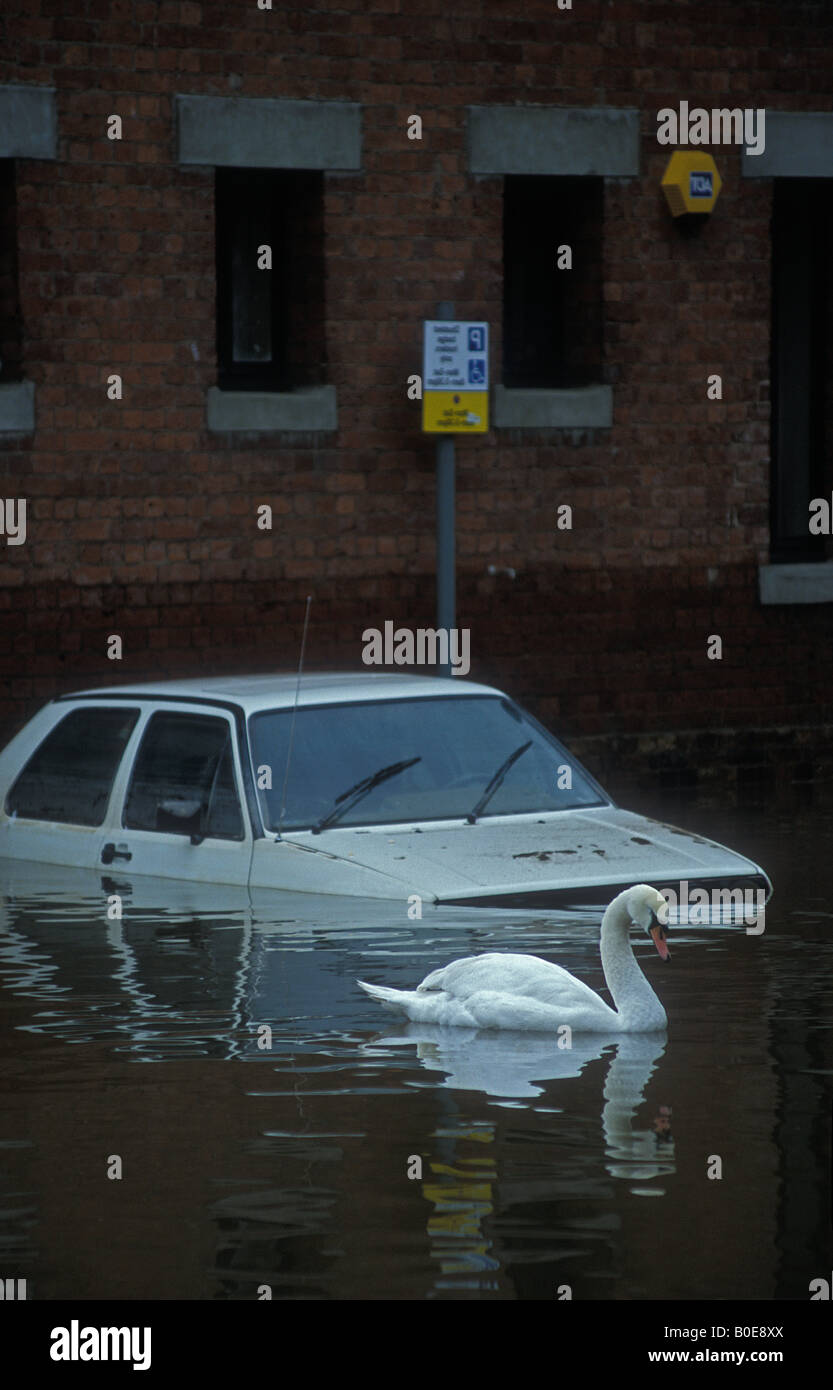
[523, 1013]
[437, 978]
[525, 976]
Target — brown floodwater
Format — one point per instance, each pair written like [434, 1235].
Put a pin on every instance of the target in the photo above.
[276, 1130]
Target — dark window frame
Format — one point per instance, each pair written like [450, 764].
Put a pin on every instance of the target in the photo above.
[800, 364]
[281, 203]
[196, 824]
[553, 320]
[205, 702]
[47, 743]
[11, 319]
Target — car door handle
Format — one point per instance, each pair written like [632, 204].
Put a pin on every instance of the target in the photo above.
[110, 852]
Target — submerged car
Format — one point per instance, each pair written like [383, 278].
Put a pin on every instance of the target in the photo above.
[370, 785]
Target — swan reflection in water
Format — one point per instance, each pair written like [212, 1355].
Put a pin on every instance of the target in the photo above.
[508, 1065]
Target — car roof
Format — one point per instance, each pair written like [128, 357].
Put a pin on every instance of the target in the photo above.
[262, 692]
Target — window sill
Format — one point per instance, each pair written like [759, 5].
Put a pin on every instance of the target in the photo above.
[583, 407]
[796, 583]
[308, 410]
[17, 407]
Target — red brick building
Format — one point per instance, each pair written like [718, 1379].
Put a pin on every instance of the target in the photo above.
[154, 395]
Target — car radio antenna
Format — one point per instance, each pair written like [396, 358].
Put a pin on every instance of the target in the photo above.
[294, 710]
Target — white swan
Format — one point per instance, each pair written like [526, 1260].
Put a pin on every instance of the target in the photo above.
[527, 993]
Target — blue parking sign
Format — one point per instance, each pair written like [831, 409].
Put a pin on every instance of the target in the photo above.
[476, 339]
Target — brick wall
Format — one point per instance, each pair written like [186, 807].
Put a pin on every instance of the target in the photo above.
[142, 522]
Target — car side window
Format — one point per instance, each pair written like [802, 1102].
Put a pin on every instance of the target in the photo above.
[183, 779]
[69, 778]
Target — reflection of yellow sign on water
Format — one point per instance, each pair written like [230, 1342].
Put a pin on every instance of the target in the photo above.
[455, 377]
[458, 412]
[691, 182]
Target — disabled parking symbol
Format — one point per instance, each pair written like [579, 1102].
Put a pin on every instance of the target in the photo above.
[477, 371]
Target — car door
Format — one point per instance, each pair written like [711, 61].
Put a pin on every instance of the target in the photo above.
[58, 801]
[178, 810]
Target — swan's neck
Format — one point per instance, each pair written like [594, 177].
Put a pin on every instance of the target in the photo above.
[636, 1003]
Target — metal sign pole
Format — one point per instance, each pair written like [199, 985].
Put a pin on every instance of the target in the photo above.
[446, 487]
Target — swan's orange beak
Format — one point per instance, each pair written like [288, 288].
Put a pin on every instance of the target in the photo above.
[658, 936]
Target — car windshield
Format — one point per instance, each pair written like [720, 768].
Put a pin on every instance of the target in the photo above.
[460, 744]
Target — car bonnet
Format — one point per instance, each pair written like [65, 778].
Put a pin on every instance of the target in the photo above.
[523, 854]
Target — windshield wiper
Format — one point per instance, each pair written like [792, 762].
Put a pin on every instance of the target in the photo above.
[496, 781]
[346, 800]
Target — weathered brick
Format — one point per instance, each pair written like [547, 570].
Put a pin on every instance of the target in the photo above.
[134, 505]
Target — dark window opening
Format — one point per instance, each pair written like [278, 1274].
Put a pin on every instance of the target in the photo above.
[11, 333]
[70, 776]
[802, 383]
[270, 323]
[183, 780]
[552, 318]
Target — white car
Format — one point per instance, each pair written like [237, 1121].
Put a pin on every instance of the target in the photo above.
[370, 785]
